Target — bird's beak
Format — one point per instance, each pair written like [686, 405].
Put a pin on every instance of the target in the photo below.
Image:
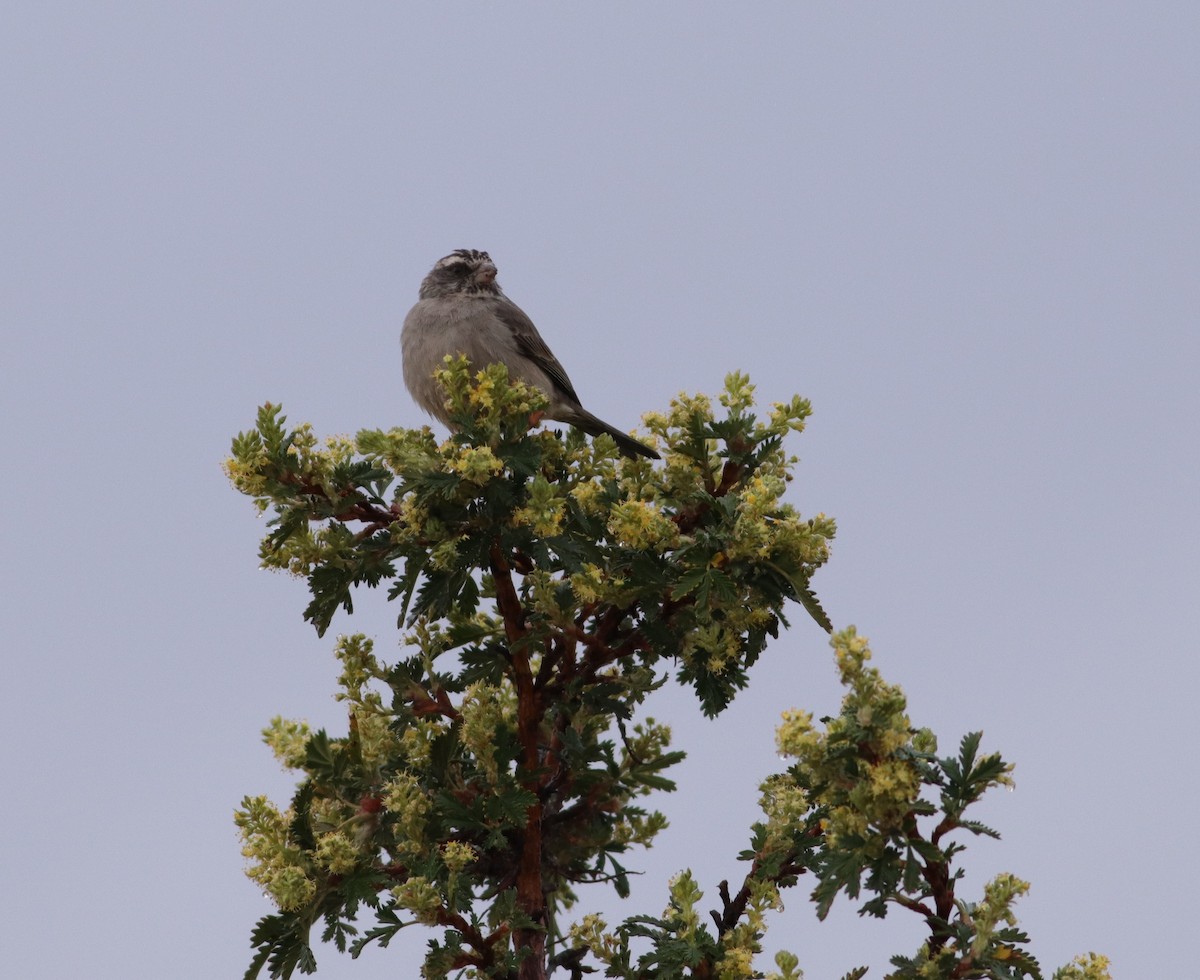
[486, 274]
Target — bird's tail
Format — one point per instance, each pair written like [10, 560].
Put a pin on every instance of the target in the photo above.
[628, 446]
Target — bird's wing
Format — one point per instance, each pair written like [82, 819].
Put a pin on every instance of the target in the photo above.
[530, 343]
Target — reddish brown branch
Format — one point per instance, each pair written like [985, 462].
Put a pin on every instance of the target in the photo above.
[734, 907]
[948, 824]
[507, 600]
[913, 905]
[730, 475]
[439, 704]
[484, 946]
[355, 509]
[552, 653]
[941, 889]
[531, 899]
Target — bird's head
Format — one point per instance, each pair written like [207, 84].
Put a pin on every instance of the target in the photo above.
[462, 272]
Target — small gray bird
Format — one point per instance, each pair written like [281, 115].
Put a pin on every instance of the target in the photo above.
[462, 310]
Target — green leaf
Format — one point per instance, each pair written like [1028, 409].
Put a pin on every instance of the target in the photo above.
[282, 942]
[804, 595]
[978, 828]
[509, 806]
[330, 588]
[322, 760]
[389, 925]
[808, 599]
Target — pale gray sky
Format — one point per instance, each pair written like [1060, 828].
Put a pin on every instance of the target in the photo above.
[968, 232]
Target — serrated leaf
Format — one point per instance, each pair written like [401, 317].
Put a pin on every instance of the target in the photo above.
[509, 806]
[804, 594]
[621, 878]
[322, 760]
[283, 944]
[967, 750]
[975, 827]
[808, 599]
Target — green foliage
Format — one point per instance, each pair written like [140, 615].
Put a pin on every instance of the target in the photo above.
[547, 586]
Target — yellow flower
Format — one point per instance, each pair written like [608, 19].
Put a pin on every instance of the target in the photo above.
[795, 736]
[337, 853]
[288, 740]
[641, 525]
[420, 897]
[456, 855]
[291, 888]
[476, 464]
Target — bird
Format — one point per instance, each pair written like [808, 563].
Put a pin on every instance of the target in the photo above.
[461, 309]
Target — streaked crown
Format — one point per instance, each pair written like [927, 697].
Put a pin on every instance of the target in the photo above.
[463, 271]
